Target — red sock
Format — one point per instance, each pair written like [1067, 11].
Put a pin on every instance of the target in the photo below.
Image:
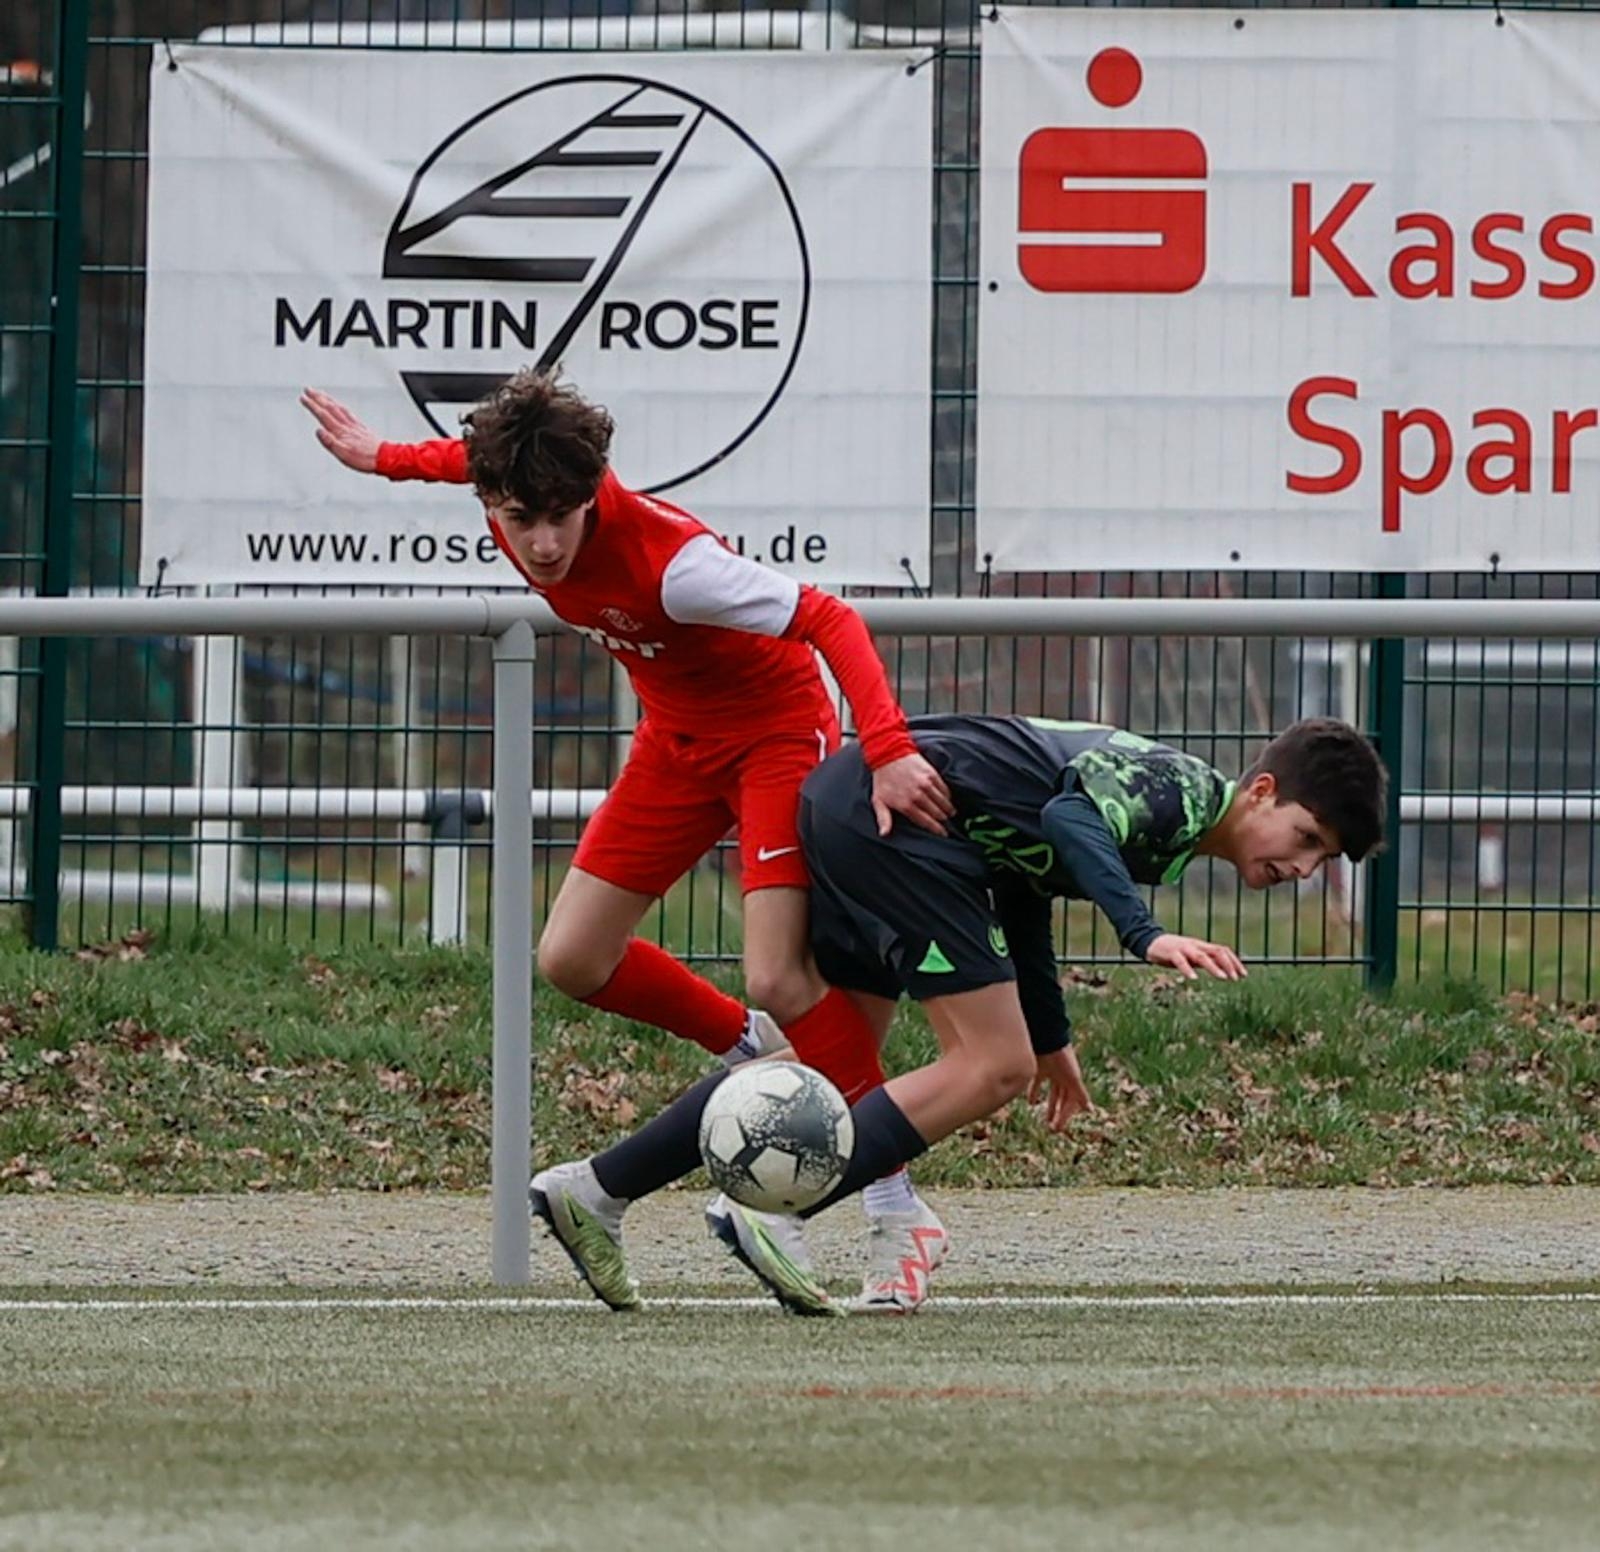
[836, 1039]
[654, 988]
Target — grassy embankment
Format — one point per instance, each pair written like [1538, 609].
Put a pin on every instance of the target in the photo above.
[211, 1063]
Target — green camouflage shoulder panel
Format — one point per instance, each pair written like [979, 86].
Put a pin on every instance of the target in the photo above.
[1156, 801]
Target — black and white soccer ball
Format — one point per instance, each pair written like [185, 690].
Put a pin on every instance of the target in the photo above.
[776, 1136]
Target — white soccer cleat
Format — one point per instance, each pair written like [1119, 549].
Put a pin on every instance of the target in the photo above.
[761, 1037]
[774, 1248]
[904, 1250]
[787, 1232]
[587, 1223]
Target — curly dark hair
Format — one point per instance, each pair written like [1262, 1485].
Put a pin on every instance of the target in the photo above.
[539, 441]
[1331, 769]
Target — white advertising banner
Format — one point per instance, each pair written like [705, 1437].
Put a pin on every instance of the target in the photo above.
[728, 250]
[1289, 289]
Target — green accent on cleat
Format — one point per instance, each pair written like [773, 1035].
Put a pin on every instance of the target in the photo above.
[592, 1250]
[790, 1284]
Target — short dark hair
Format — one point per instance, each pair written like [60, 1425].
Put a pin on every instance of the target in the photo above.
[538, 441]
[1331, 769]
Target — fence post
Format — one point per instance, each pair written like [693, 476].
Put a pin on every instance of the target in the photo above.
[218, 762]
[512, 938]
[449, 816]
[1389, 716]
[71, 83]
[1388, 699]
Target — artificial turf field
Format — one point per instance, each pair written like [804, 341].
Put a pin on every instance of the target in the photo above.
[257, 1421]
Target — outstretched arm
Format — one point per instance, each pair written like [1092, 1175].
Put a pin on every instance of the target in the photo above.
[1026, 918]
[1085, 845]
[357, 446]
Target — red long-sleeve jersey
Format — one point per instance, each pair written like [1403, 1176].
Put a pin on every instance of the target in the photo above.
[712, 642]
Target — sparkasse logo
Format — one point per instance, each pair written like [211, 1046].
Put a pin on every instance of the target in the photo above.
[620, 226]
[1086, 222]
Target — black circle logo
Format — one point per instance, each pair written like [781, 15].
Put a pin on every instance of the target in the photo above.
[643, 240]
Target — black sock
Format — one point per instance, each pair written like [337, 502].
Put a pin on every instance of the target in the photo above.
[663, 1150]
[885, 1140]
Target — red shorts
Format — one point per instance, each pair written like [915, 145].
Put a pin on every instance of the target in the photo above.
[679, 794]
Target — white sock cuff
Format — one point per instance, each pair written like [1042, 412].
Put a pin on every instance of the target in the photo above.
[894, 1193]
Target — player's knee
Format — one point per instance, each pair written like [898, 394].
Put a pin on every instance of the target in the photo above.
[783, 990]
[1003, 1076]
[572, 966]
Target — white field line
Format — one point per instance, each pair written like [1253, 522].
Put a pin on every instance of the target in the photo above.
[947, 1303]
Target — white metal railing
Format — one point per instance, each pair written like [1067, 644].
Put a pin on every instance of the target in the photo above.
[402, 804]
[393, 804]
[449, 812]
[513, 621]
[491, 615]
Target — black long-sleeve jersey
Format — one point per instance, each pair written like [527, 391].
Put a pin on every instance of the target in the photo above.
[1075, 809]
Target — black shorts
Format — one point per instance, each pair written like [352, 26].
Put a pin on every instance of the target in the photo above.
[907, 912]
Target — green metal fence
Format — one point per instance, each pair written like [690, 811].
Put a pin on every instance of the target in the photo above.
[1512, 902]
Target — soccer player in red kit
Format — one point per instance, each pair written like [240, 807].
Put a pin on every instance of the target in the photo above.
[735, 716]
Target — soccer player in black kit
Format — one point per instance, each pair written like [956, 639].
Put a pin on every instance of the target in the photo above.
[962, 922]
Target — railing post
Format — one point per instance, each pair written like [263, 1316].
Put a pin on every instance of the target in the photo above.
[512, 940]
[450, 814]
[218, 761]
[71, 83]
[1388, 700]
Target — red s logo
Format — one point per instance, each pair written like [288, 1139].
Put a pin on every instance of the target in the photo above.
[1112, 238]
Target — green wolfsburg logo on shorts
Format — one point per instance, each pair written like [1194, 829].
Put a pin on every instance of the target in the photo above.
[997, 940]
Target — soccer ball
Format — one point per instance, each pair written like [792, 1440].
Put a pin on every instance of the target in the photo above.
[776, 1136]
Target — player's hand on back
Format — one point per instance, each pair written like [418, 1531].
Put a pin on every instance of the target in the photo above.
[351, 441]
[1189, 956]
[1058, 1081]
[912, 787]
